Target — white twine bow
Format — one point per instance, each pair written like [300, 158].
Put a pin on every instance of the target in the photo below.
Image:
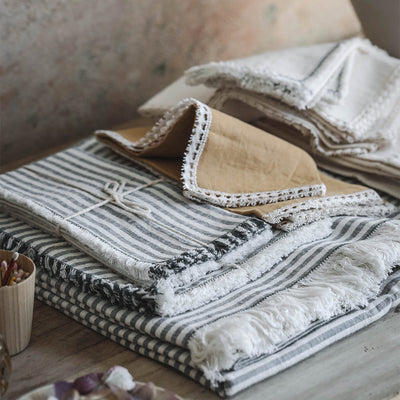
[116, 193]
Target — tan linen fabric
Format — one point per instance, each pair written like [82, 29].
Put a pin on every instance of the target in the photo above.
[238, 158]
[227, 162]
[229, 157]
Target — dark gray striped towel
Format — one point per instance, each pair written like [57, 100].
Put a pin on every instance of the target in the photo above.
[316, 288]
[178, 253]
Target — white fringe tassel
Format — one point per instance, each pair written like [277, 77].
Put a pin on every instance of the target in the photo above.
[171, 303]
[348, 278]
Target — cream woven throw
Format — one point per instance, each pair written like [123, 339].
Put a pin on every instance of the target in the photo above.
[343, 99]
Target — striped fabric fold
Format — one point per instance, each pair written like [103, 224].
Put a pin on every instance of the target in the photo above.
[247, 372]
[175, 255]
[72, 265]
[170, 339]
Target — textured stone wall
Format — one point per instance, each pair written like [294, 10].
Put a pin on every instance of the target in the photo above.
[70, 66]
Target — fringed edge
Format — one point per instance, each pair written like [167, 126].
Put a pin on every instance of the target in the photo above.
[345, 281]
[238, 272]
[365, 203]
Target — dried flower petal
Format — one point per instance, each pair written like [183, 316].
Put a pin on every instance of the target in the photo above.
[60, 387]
[119, 377]
[85, 384]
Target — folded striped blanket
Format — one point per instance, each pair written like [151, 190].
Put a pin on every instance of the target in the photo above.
[320, 293]
[72, 265]
[175, 254]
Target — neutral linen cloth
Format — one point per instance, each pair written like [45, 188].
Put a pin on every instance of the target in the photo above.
[224, 161]
[351, 85]
[177, 254]
[342, 97]
[345, 99]
[297, 76]
[330, 289]
[377, 178]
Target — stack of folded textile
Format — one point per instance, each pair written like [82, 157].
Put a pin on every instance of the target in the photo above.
[334, 276]
[339, 101]
[204, 243]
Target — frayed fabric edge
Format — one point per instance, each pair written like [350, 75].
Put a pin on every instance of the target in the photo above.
[365, 203]
[301, 94]
[345, 281]
[237, 275]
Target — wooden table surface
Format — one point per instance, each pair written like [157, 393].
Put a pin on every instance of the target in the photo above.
[364, 366]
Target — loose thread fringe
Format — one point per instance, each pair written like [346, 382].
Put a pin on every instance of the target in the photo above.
[268, 255]
[347, 280]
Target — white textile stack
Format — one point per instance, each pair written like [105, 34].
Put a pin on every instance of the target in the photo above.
[343, 98]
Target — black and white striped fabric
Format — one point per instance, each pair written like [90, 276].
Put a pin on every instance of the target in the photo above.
[169, 254]
[167, 339]
[48, 192]
[127, 219]
[69, 264]
[116, 325]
